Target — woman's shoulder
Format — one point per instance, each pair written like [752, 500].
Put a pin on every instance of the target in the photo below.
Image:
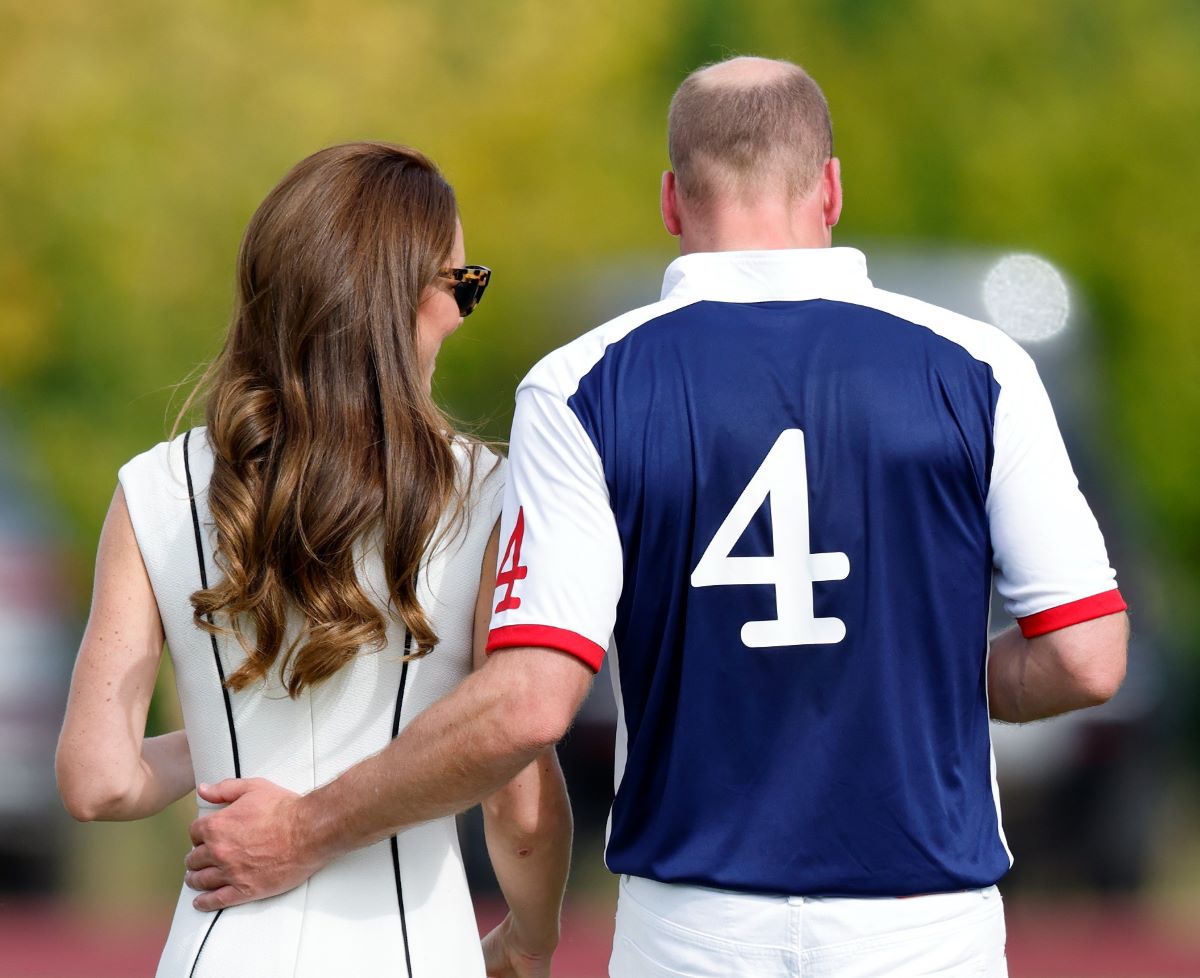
[482, 474]
[174, 467]
[163, 487]
[478, 461]
[467, 446]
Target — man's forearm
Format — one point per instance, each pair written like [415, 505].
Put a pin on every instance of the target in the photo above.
[265, 839]
[1077, 667]
[455, 753]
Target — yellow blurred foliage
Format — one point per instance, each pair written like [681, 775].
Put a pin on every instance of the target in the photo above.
[26, 341]
[139, 136]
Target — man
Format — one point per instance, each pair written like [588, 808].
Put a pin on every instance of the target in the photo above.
[776, 500]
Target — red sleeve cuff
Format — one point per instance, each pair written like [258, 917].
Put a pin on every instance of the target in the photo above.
[1072, 613]
[546, 637]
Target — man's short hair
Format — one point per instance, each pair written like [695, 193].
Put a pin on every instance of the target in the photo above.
[743, 136]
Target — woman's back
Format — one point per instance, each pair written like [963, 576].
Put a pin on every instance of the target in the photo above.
[397, 907]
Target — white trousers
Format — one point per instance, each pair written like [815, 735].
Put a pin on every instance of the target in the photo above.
[672, 931]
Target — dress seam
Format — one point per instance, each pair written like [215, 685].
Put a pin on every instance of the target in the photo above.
[395, 843]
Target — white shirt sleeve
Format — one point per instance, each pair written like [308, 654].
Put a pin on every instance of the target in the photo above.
[560, 571]
[1052, 568]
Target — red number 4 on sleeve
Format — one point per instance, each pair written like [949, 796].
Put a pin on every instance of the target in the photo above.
[507, 576]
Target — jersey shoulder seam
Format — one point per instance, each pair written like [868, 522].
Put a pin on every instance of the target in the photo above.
[560, 372]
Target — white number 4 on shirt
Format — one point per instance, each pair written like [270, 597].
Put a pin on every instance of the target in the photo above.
[783, 476]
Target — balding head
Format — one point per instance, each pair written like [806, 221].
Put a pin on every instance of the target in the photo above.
[748, 128]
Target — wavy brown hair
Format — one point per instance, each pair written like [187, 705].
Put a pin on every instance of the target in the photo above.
[320, 417]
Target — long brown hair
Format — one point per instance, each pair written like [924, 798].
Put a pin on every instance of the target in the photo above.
[319, 414]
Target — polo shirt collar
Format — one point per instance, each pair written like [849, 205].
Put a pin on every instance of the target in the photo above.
[764, 276]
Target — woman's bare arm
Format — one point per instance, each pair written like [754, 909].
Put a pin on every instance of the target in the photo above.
[528, 827]
[107, 768]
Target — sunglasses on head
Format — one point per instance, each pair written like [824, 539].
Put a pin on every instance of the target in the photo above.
[469, 283]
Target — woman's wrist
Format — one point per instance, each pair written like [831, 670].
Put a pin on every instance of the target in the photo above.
[533, 938]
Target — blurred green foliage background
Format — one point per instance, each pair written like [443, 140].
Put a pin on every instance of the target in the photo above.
[136, 138]
[139, 136]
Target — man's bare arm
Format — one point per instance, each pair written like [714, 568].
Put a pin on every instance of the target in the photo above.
[455, 753]
[460, 750]
[1075, 667]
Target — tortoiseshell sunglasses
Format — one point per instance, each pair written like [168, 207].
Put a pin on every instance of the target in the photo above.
[469, 283]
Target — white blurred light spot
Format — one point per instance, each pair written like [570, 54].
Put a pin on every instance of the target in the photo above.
[1026, 297]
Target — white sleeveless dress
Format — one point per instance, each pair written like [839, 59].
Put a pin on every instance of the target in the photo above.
[400, 907]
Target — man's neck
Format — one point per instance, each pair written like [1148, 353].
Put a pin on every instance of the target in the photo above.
[754, 228]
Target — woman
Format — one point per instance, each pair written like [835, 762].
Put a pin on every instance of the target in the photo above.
[320, 560]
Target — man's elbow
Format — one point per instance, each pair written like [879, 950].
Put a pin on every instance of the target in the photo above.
[537, 722]
[1098, 664]
[1101, 680]
[541, 693]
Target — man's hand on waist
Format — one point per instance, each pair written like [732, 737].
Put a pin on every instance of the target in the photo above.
[261, 844]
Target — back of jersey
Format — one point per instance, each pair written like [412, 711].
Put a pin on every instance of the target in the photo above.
[798, 472]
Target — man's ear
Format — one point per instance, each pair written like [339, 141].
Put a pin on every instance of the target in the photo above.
[831, 181]
[669, 204]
